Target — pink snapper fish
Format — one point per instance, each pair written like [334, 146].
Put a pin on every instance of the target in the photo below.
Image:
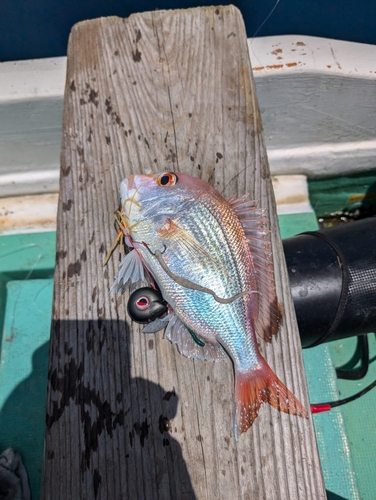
[210, 259]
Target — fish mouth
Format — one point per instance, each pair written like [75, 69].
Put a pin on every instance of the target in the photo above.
[128, 196]
[131, 185]
[128, 189]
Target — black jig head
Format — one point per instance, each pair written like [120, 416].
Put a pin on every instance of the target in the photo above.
[146, 304]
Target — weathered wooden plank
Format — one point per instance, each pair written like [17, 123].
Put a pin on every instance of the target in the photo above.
[127, 415]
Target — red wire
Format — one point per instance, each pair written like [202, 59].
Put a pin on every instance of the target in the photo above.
[320, 408]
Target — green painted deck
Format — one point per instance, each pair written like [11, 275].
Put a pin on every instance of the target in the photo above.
[26, 287]
[346, 435]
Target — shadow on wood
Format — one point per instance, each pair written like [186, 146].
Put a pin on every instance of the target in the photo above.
[135, 414]
[167, 90]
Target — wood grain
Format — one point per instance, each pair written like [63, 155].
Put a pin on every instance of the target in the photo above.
[127, 415]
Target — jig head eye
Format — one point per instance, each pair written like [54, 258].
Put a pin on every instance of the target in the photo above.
[167, 179]
[142, 303]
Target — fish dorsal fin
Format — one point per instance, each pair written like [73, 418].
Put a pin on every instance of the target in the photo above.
[254, 223]
[177, 333]
[130, 271]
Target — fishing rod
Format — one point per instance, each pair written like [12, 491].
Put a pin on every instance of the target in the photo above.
[332, 275]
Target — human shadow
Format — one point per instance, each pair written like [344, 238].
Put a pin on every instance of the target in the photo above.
[108, 434]
[22, 418]
[120, 427]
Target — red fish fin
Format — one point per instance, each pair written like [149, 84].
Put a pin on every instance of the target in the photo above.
[252, 218]
[261, 386]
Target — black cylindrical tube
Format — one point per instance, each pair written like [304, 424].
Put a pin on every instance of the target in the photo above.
[333, 281]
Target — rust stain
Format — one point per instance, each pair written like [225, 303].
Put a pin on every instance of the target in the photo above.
[275, 66]
[277, 51]
[328, 66]
[300, 44]
[361, 197]
[291, 199]
[291, 65]
[258, 68]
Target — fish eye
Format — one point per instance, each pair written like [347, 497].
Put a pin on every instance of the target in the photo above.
[167, 179]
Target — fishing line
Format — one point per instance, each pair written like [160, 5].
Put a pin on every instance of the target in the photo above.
[265, 20]
[321, 407]
[253, 37]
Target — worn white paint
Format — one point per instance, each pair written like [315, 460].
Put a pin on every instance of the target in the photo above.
[35, 78]
[29, 181]
[291, 194]
[23, 214]
[301, 54]
[318, 103]
[31, 104]
[317, 98]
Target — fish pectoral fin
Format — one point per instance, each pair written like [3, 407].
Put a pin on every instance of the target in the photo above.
[178, 334]
[131, 270]
[258, 386]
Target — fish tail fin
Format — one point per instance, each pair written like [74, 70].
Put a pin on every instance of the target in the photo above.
[259, 386]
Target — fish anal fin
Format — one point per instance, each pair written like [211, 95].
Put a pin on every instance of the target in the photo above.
[178, 333]
[259, 386]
